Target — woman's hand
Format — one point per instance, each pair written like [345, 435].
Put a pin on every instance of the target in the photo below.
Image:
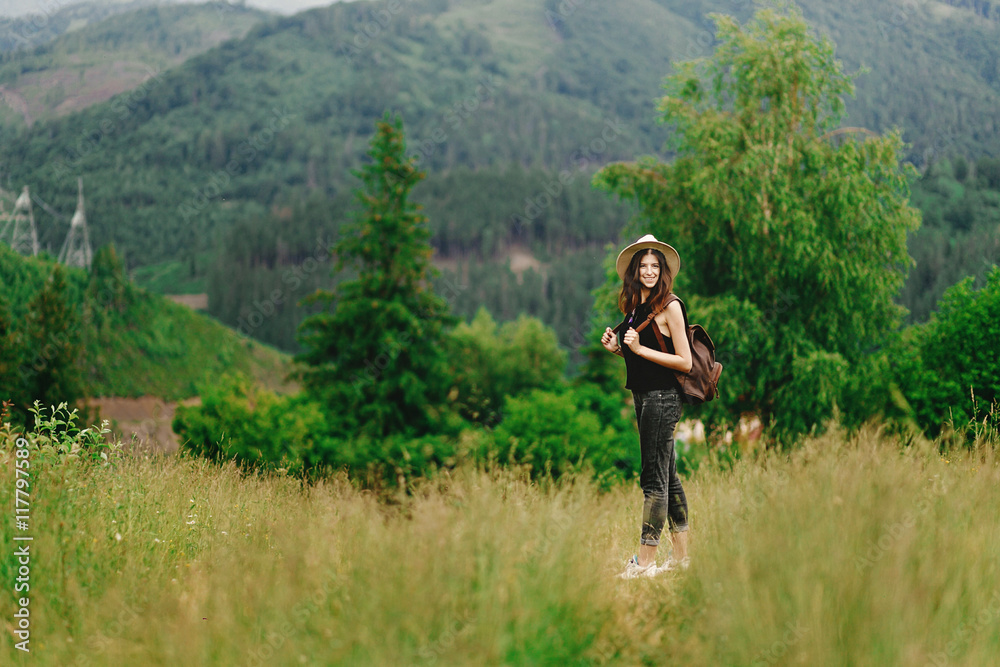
[609, 342]
[631, 338]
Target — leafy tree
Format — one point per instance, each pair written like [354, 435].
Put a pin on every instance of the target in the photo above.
[949, 368]
[490, 363]
[961, 169]
[791, 232]
[375, 357]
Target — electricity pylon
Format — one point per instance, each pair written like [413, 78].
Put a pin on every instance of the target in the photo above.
[76, 249]
[19, 226]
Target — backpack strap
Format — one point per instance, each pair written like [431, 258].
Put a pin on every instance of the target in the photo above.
[656, 330]
[673, 297]
[641, 326]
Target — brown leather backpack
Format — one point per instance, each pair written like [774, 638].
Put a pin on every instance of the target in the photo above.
[701, 383]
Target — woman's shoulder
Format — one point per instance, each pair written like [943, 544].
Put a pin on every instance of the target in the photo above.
[672, 300]
[672, 303]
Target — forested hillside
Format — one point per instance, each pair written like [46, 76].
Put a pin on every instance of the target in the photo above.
[227, 168]
[54, 19]
[67, 334]
[960, 235]
[984, 8]
[94, 62]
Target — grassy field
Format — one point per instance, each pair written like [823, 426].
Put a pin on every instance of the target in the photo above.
[849, 551]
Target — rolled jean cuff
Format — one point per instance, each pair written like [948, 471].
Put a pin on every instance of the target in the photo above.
[649, 542]
[679, 529]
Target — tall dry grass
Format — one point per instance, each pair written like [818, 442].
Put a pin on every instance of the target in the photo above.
[849, 551]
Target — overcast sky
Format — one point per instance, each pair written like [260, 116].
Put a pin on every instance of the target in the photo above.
[19, 7]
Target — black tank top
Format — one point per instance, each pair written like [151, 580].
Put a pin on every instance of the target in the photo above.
[643, 374]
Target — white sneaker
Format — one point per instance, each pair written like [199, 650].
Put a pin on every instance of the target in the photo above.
[672, 565]
[634, 570]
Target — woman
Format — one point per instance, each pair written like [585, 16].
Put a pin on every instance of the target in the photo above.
[647, 269]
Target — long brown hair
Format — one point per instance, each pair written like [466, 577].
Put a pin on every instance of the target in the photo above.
[631, 294]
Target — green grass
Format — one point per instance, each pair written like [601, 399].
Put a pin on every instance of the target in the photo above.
[851, 551]
[172, 351]
[173, 277]
[153, 347]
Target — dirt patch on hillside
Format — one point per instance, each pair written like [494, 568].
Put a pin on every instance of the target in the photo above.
[195, 301]
[518, 257]
[63, 90]
[521, 260]
[16, 101]
[144, 423]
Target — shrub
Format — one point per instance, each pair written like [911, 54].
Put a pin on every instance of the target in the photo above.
[56, 437]
[811, 395]
[557, 433]
[292, 433]
[489, 363]
[254, 426]
[395, 461]
[948, 370]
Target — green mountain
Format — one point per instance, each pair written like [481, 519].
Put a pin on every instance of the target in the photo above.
[51, 20]
[228, 167]
[101, 59]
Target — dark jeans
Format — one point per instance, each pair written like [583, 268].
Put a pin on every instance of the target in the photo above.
[657, 413]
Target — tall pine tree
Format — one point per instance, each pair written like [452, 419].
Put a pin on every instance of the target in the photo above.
[52, 344]
[11, 386]
[375, 356]
[108, 288]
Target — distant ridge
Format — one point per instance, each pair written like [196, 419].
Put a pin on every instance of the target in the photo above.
[109, 54]
[197, 137]
[218, 174]
[54, 19]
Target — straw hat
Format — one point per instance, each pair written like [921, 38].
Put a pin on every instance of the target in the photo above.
[648, 241]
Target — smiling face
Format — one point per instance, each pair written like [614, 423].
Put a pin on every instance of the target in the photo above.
[647, 277]
[649, 270]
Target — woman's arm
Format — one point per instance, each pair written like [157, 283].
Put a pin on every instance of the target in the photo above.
[673, 318]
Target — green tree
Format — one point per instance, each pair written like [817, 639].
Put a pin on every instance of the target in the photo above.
[108, 288]
[961, 169]
[375, 356]
[988, 170]
[792, 233]
[949, 368]
[490, 363]
[53, 347]
[11, 385]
